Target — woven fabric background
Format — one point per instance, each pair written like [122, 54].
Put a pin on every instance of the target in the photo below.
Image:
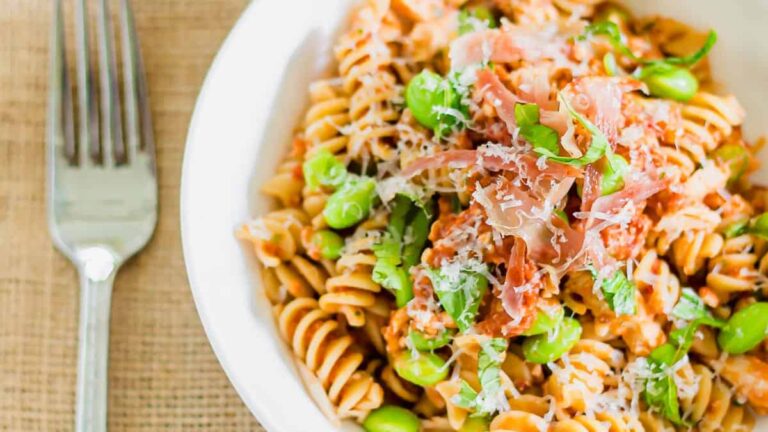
[163, 374]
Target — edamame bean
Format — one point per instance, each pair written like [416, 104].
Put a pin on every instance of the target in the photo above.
[615, 169]
[323, 169]
[759, 225]
[745, 329]
[390, 418]
[548, 347]
[328, 243]
[422, 342]
[479, 13]
[426, 93]
[351, 203]
[670, 82]
[736, 157]
[476, 424]
[421, 368]
[547, 318]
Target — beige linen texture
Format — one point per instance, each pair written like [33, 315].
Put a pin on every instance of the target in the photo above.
[163, 374]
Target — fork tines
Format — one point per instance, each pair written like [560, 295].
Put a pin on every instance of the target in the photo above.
[111, 127]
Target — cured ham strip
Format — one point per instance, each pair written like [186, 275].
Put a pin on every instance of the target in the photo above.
[507, 45]
[494, 161]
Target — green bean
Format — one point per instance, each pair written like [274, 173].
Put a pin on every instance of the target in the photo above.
[669, 81]
[759, 226]
[422, 342]
[745, 330]
[548, 347]
[351, 203]
[425, 95]
[615, 169]
[328, 243]
[476, 424]
[391, 418]
[736, 157]
[421, 368]
[323, 169]
[546, 320]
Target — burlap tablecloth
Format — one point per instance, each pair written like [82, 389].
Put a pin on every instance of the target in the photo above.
[163, 374]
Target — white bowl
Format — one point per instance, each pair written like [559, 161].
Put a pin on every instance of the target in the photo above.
[253, 98]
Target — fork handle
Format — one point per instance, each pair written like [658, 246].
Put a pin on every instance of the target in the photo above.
[97, 274]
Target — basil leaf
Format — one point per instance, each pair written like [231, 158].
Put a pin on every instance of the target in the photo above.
[660, 391]
[466, 397]
[400, 248]
[597, 147]
[610, 30]
[527, 114]
[698, 55]
[736, 229]
[415, 237]
[612, 179]
[616, 38]
[323, 169]
[661, 394]
[759, 226]
[460, 294]
[489, 361]
[562, 215]
[619, 293]
[541, 137]
[691, 307]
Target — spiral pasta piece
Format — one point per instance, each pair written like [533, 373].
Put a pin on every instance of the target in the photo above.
[586, 371]
[276, 237]
[365, 59]
[286, 184]
[692, 249]
[734, 270]
[317, 341]
[352, 291]
[527, 413]
[708, 119]
[711, 407]
[326, 118]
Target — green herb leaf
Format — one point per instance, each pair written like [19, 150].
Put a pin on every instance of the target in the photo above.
[613, 173]
[597, 147]
[527, 114]
[660, 391]
[612, 31]
[562, 215]
[616, 38]
[698, 55]
[736, 229]
[459, 294]
[759, 226]
[466, 397]
[619, 293]
[541, 137]
[691, 307]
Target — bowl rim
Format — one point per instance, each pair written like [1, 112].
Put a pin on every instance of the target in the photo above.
[260, 412]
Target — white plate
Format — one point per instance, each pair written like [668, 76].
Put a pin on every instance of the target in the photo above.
[253, 98]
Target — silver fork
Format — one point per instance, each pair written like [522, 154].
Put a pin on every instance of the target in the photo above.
[102, 187]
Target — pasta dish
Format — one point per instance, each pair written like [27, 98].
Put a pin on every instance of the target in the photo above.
[521, 215]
